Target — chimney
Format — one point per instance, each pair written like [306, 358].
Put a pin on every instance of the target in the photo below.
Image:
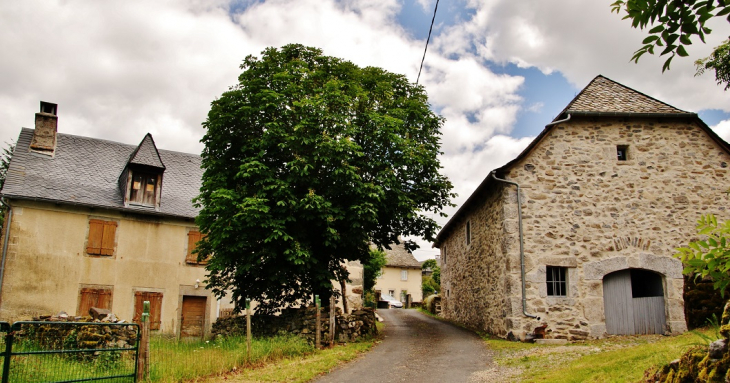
[46, 125]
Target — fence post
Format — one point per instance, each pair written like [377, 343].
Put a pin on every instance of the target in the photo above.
[8, 354]
[318, 326]
[143, 363]
[332, 319]
[248, 328]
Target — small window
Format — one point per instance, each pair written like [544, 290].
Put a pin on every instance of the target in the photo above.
[391, 293]
[155, 300]
[468, 233]
[622, 152]
[102, 236]
[143, 188]
[404, 275]
[403, 295]
[443, 256]
[557, 281]
[194, 237]
[99, 297]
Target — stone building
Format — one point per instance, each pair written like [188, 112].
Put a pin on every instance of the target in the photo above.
[577, 233]
[96, 223]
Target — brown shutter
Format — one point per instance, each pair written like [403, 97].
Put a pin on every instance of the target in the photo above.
[107, 243]
[96, 231]
[193, 239]
[155, 300]
[91, 297]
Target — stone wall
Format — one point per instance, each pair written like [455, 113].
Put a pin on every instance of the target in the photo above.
[474, 275]
[586, 211]
[302, 322]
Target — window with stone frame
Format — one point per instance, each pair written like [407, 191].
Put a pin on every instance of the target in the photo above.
[404, 275]
[155, 299]
[622, 152]
[96, 296]
[102, 237]
[557, 281]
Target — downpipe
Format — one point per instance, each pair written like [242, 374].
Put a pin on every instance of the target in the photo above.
[522, 246]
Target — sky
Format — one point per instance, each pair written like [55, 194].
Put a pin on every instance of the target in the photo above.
[497, 70]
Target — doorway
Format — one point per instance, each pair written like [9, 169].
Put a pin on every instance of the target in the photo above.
[634, 302]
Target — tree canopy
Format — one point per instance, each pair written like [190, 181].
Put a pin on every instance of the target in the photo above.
[709, 256]
[307, 161]
[373, 268]
[673, 25]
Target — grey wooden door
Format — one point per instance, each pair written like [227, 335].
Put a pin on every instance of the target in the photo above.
[628, 310]
[617, 304]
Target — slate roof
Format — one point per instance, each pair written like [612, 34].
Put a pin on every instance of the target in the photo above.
[85, 171]
[398, 256]
[147, 154]
[602, 97]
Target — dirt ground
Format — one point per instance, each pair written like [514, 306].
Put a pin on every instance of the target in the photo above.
[417, 348]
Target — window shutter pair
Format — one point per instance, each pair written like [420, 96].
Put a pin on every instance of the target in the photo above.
[155, 300]
[193, 238]
[101, 237]
[94, 297]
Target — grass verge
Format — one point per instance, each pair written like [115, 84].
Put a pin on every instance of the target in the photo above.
[615, 359]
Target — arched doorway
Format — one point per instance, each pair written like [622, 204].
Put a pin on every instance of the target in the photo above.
[633, 302]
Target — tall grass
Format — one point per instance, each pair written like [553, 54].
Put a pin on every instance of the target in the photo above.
[175, 361]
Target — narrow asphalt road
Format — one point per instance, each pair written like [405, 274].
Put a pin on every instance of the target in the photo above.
[417, 348]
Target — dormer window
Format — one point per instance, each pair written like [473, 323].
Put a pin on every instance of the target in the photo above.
[143, 189]
[141, 180]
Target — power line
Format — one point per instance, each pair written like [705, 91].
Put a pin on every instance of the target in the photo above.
[427, 40]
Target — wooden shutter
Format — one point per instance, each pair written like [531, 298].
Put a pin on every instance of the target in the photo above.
[96, 233]
[94, 297]
[155, 300]
[107, 242]
[193, 238]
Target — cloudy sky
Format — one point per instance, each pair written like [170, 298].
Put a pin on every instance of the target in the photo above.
[497, 70]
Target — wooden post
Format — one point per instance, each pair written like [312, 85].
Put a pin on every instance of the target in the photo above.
[318, 326]
[248, 328]
[332, 320]
[143, 362]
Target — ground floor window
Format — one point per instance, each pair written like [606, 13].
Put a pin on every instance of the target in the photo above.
[155, 299]
[557, 281]
[99, 297]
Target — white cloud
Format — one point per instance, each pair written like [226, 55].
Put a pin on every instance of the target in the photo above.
[723, 130]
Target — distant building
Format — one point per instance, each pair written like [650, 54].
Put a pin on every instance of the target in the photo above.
[401, 275]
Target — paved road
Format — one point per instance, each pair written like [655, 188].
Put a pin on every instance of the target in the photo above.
[417, 348]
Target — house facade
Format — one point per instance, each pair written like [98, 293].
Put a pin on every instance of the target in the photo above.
[95, 223]
[401, 275]
[575, 237]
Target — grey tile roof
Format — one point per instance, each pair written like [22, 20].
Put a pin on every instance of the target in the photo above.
[147, 154]
[605, 95]
[86, 170]
[398, 256]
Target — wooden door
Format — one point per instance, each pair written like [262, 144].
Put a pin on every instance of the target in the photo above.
[193, 316]
[634, 302]
[617, 304]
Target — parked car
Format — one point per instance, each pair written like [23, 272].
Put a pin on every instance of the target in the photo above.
[392, 302]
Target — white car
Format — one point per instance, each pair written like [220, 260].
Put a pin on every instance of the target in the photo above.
[392, 302]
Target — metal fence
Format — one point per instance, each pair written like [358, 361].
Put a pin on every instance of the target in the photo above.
[69, 352]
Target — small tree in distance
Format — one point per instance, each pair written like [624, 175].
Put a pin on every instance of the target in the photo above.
[431, 284]
[308, 160]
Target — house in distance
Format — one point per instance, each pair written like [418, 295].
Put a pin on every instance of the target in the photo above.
[578, 232]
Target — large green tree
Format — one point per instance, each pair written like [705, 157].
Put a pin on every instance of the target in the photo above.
[674, 23]
[307, 160]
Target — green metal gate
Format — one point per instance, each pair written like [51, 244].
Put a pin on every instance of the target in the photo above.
[70, 352]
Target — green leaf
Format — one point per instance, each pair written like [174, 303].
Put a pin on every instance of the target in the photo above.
[665, 67]
[681, 52]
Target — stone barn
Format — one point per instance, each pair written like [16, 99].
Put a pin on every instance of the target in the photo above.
[575, 237]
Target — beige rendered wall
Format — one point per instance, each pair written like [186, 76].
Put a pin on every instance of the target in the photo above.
[391, 280]
[47, 263]
[586, 211]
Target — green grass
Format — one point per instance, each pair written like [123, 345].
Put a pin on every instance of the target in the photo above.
[615, 359]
